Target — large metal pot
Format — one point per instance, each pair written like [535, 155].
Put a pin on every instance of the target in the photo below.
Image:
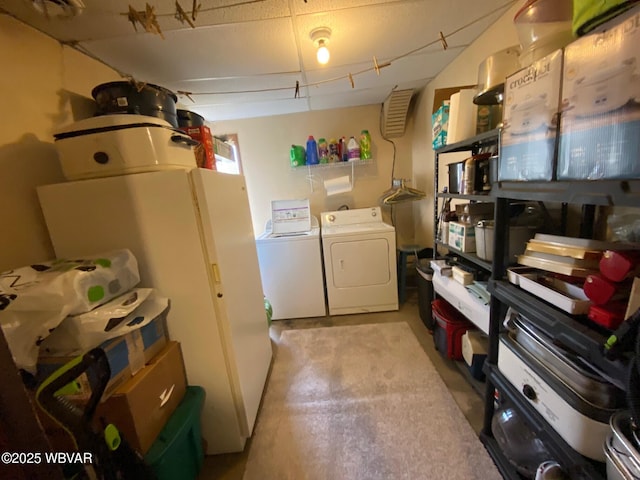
[492, 74]
[136, 98]
[187, 118]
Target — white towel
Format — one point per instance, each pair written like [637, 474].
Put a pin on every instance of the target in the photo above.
[338, 185]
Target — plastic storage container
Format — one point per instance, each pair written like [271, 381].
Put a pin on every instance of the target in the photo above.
[543, 26]
[450, 325]
[425, 294]
[518, 238]
[177, 453]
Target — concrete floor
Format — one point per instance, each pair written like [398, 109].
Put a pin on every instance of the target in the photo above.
[465, 390]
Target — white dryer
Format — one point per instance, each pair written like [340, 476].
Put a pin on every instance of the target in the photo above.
[291, 272]
[359, 251]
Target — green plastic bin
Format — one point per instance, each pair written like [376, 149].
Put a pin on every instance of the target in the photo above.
[177, 452]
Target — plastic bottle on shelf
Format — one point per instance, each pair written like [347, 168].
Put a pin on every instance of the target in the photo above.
[323, 150]
[344, 152]
[353, 148]
[365, 145]
[312, 151]
[297, 155]
[334, 151]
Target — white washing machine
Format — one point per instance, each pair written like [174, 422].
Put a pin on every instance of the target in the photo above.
[359, 251]
[291, 272]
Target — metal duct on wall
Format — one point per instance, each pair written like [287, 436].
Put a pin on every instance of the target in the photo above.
[394, 113]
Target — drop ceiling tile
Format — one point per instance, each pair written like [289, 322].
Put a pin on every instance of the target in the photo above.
[249, 110]
[211, 52]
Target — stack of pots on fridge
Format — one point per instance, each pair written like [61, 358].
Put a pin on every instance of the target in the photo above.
[136, 129]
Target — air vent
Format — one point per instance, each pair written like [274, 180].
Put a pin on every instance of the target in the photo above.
[394, 113]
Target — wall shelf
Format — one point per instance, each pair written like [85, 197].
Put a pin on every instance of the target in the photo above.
[564, 328]
[472, 257]
[356, 163]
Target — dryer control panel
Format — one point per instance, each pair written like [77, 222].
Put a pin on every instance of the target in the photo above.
[352, 217]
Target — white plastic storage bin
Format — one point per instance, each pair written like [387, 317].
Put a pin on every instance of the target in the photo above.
[518, 238]
[118, 144]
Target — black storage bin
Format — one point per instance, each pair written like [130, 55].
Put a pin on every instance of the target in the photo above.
[425, 294]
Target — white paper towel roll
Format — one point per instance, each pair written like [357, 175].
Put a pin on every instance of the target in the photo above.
[462, 116]
[338, 185]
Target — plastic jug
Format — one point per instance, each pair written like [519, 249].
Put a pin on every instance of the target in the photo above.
[297, 155]
[365, 145]
[353, 147]
[312, 151]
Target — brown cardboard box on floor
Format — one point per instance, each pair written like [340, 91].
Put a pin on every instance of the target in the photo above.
[634, 298]
[141, 406]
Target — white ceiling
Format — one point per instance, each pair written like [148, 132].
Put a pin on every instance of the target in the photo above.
[244, 57]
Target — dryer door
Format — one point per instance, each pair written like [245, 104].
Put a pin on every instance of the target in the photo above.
[360, 263]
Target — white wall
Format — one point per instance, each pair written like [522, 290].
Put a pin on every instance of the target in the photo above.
[44, 86]
[264, 147]
[462, 71]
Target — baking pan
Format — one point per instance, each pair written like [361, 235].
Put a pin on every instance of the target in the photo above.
[564, 295]
[621, 449]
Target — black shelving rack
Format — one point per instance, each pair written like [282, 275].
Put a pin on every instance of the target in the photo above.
[474, 144]
[569, 330]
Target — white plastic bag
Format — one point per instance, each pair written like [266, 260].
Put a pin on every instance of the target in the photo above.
[78, 334]
[35, 299]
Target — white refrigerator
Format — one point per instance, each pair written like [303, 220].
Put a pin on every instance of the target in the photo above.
[192, 235]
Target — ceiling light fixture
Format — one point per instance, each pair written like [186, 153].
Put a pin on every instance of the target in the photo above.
[320, 37]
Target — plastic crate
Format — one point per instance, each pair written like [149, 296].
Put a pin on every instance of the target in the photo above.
[177, 453]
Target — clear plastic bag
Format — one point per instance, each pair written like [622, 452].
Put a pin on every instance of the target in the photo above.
[624, 227]
[78, 334]
[36, 298]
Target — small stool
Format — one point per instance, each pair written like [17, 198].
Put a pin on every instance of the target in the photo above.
[404, 251]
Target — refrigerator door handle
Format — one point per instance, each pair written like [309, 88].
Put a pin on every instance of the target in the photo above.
[216, 272]
[216, 278]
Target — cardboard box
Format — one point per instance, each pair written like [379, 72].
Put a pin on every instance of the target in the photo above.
[440, 120]
[600, 125]
[205, 152]
[127, 355]
[530, 121]
[462, 236]
[141, 406]
[634, 298]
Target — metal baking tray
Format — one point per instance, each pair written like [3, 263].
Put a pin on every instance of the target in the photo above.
[565, 366]
[564, 295]
[621, 448]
